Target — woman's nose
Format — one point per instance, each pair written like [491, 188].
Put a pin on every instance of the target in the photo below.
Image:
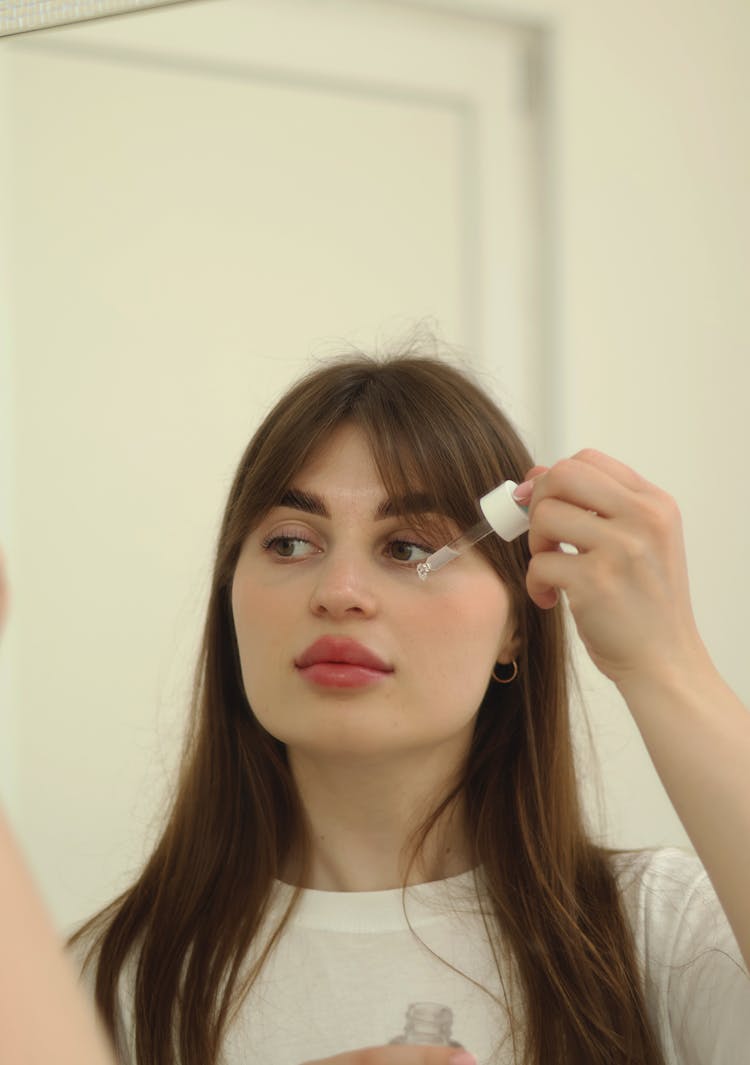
[344, 587]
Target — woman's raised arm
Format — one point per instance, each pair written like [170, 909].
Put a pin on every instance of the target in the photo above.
[44, 1016]
[627, 589]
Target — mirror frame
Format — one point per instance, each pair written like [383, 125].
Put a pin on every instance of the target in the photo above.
[28, 16]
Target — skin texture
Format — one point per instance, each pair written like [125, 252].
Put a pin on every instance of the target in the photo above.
[365, 759]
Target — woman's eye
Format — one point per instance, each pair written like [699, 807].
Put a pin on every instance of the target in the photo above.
[288, 546]
[408, 551]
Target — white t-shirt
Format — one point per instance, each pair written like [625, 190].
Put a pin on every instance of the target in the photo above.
[349, 973]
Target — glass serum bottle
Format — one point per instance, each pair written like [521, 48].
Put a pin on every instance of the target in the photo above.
[428, 1024]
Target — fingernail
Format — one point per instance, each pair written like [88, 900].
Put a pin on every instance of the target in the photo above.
[462, 1058]
[523, 493]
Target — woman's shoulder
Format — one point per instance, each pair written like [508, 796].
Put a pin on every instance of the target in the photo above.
[677, 919]
[673, 870]
[668, 896]
[696, 985]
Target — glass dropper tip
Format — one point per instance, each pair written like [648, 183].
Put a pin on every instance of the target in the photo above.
[423, 570]
[503, 514]
[454, 549]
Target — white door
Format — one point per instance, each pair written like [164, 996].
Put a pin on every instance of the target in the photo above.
[203, 199]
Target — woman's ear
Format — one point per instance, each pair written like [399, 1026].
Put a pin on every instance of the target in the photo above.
[510, 645]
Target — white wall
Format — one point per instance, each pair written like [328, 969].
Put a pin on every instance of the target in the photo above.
[8, 764]
[649, 288]
[651, 192]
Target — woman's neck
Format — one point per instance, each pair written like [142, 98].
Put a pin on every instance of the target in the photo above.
[360, 819]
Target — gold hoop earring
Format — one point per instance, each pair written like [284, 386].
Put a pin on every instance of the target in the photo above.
[506, 680]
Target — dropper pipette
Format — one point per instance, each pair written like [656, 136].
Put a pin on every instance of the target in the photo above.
[502, 515]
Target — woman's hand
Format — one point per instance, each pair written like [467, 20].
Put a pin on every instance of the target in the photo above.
[627, 586]
[44, 1015]
[628, 592]
[399, 1055]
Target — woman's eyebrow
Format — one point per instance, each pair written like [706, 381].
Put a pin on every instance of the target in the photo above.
[306, 501]
[412, 503]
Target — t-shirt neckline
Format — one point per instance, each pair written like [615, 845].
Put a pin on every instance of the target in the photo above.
[378, 911]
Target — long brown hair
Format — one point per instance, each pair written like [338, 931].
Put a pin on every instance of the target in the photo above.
[183, 929]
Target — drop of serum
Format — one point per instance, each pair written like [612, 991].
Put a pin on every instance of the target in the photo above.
[502, 515]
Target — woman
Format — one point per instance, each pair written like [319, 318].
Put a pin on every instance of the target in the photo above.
[363, 740]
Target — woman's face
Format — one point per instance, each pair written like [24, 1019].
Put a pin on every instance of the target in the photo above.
[344, 651]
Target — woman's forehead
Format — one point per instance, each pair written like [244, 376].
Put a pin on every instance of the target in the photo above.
[350, 455]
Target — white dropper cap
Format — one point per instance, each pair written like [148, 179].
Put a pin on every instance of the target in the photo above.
[507, 517]
[502, 515]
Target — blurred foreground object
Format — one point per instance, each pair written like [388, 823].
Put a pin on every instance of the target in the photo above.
[44, 1016]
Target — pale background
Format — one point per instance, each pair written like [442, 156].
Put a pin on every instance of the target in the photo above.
[193, 213]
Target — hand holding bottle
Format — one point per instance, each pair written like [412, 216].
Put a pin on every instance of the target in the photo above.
[400, 1055]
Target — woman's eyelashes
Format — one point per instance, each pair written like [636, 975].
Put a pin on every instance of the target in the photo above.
[404, 551]
[292, 545]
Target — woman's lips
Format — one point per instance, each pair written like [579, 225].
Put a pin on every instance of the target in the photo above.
[341, 675]
[340, 662]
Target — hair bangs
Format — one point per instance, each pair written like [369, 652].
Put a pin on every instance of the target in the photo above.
[429, 441]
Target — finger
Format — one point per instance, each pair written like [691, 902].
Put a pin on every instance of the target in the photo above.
[548, 574]
[582, 484]
[555, 522]
[534, 472]
[392, 1055]
[618, 471]
[523, 492]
